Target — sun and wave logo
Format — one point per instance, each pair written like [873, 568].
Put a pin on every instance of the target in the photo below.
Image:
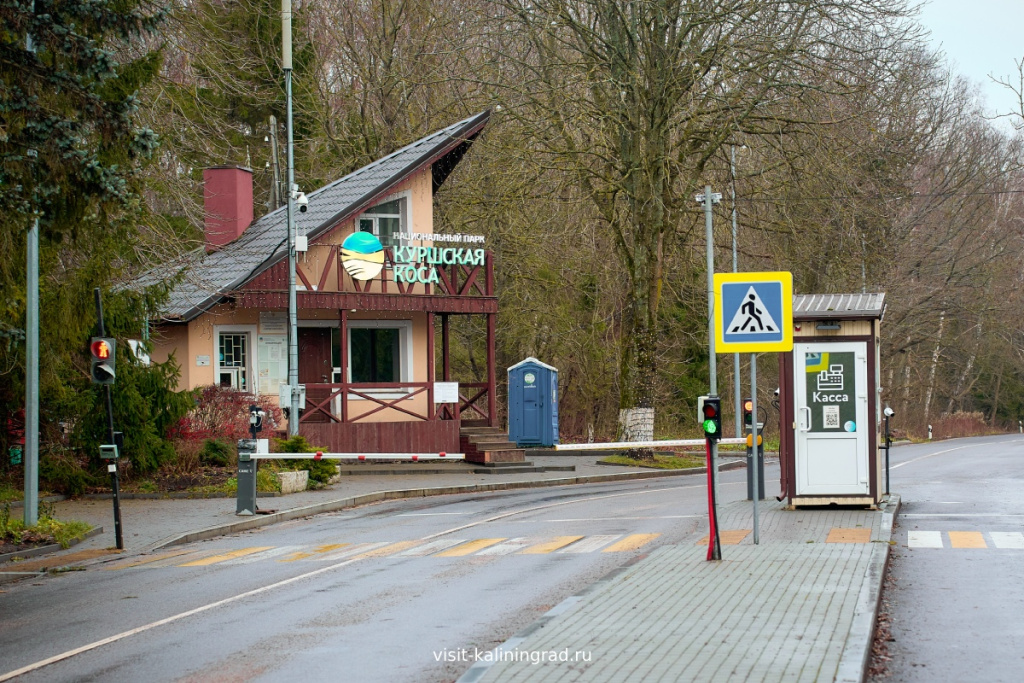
[362, 255]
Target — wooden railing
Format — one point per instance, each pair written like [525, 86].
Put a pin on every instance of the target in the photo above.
[324, 402]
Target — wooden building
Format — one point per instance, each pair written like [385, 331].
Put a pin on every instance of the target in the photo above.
[375, 287]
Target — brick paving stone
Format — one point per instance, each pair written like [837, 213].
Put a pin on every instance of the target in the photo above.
[777, 611]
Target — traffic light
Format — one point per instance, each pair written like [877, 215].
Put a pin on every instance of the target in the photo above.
[748, 411]
[103, 350]
[712, 418]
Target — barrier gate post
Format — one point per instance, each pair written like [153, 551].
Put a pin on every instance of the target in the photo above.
[247, 464]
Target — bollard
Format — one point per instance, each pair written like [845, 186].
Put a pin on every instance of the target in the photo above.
[247, 464]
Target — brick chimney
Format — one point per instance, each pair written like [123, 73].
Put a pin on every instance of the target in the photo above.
[227, 203]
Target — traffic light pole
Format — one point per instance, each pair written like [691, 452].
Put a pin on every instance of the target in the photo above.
[112, 465]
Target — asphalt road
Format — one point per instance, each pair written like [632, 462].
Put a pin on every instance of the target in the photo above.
[955, 591]
[402, 591]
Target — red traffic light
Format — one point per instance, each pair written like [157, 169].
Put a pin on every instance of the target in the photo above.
[748, 405]
[710, 410]
[100, 349]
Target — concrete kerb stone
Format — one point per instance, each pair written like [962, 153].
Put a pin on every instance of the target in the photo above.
[345, 503]
[853, 662]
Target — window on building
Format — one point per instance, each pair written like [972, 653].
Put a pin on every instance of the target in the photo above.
[233, 363]
[385, 221]
[380, 351]
[376, 355]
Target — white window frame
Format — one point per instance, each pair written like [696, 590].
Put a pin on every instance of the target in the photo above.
[405, 352]
[404, 214]
[250, 331]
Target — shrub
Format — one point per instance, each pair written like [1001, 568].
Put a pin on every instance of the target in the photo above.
[320, 471]
[223, 413]
[216, 453]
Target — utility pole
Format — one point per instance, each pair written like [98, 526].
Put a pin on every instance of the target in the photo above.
[31, 453]
[293, 323]
[275, 193]
[735, 269]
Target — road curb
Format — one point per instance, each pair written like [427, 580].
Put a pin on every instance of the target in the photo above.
[853, 662]
[378, 496]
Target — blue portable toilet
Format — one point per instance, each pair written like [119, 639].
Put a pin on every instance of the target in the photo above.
[533, 403]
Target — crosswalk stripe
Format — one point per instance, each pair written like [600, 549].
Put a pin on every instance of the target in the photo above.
[551, 546]
[226, 556]
[1008, 539]
[259, 557]
[389, 549]
[344, 552]
[319, 550]
[631, 542]
[470, 547]
[140, 561]
[510, 546]
[432, 547]
[966, 539]
[589, 544]
[924, 539]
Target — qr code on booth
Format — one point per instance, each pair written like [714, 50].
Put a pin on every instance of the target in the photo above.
[831, 417]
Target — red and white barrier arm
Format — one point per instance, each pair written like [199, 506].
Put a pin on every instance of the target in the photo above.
[320, 455]
[669, 443]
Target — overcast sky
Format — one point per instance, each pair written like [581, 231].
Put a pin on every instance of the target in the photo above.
[980, 37]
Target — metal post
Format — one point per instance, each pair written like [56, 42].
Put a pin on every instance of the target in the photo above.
[30, 456]
[293, 322]
[753, 397]
[712, 361]
[888, 443]
[735, 266]
[31, 453]
[112, 465]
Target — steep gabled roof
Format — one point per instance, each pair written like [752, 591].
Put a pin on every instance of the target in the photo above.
[208, 279]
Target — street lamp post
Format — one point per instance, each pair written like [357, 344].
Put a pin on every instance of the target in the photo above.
[293, 324]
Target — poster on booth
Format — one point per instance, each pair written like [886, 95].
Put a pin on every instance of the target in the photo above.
[831, 386]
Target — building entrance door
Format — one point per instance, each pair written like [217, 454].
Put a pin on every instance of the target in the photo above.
[315, 367]
[831, 418]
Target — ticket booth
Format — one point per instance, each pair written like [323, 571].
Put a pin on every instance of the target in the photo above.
[828, 397]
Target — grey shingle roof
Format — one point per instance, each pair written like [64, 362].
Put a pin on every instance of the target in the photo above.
[838, 306]
[208, 279]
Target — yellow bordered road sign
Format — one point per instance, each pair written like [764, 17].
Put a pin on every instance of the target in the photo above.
[753, 312]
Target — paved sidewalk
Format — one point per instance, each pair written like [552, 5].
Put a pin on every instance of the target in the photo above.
[800, 606]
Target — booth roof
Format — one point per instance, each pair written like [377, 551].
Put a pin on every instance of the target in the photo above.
[838, 306]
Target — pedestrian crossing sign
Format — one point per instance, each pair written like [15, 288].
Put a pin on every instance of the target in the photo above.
[753, 312]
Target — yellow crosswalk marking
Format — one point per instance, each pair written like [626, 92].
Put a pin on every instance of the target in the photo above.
[139, 561]
[550, 546]
[295, 557]
[966, 539]
[728, 537]
[631, 542]
[226, 556]
[388, 549]
[839, 535]
[470, 547]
